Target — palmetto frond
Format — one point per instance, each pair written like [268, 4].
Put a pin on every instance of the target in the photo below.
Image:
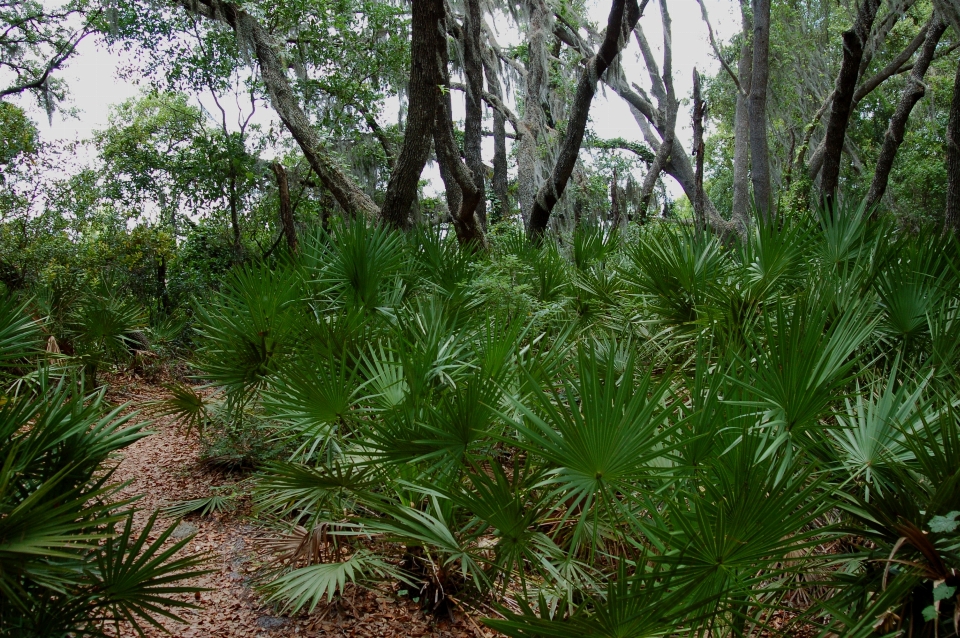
[305, 587]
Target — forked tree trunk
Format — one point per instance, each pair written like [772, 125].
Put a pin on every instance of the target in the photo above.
[455, 174]
[286, 207]
[912, 92]
[620, 23]
[854, 40]
[952, 214]
[759, 150]
[424, 94]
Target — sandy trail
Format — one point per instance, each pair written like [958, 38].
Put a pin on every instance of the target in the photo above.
[164, 469]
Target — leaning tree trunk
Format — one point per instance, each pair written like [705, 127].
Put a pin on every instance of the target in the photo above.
[759, 149]
[273, 71]
[620, 23]
[423, 94]
[286, 207]
[952, 221]
[741, 130]
[912, 92]
[854, 40]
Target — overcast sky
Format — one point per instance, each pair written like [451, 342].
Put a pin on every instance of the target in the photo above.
[95, 85]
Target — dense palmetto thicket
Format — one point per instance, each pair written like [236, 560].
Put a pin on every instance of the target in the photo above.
[71, 562]
[638, 434]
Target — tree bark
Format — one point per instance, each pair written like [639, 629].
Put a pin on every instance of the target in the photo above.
[623, 17]
[863, 90]
[424, 95]
[699, 115]
[741, 212]
[854, 40]
[759, 149]
[534, 120]
[473, 121]
[912, 92]
[250, 33]
[286, 207]
[453, 171]
[952, 214]
[501, 205]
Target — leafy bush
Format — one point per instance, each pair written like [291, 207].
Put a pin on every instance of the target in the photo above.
[71, 560]
[647, 435]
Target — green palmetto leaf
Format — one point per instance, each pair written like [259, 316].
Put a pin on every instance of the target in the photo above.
[248, 328]
[201, 506]
[433, 529]
[600, 433]
[873, 431]
[285, 488]
[511, 511]
[305, 587]
[187, 407]
[802, 366]
[644, 605]
[19, 334]
[136, 580]
[356, 262]
[728, 535]
[774, 259]
[679, 276]
[311, 400]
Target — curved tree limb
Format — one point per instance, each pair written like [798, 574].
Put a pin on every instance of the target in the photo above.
[623, 17]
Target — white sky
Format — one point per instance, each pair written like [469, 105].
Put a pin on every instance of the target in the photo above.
[94, 84]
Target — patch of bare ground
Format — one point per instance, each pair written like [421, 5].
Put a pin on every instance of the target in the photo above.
[164, 468]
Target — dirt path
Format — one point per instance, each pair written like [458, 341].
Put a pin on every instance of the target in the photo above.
[164, 468]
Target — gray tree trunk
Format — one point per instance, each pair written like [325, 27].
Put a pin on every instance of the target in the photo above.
[501, 207]
[741, 211]
[534, 120]
[759, 150]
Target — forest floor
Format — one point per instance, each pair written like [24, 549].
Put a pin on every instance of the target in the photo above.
[165, 467]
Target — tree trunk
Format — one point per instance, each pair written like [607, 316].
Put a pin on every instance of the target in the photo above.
[912, 93]
[286, 208]
[501, 205]
[759, 150]
[162, 295]
[854, 40]
[473, 121]
[952, 215]
[426, 38]
[273, 71]
[741, 212]
[234, 214]
[454, 172]
[533, 123]
[615, 213]
[699, 115]
[623, 17]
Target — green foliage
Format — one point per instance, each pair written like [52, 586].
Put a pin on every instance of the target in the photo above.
[71, 559]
